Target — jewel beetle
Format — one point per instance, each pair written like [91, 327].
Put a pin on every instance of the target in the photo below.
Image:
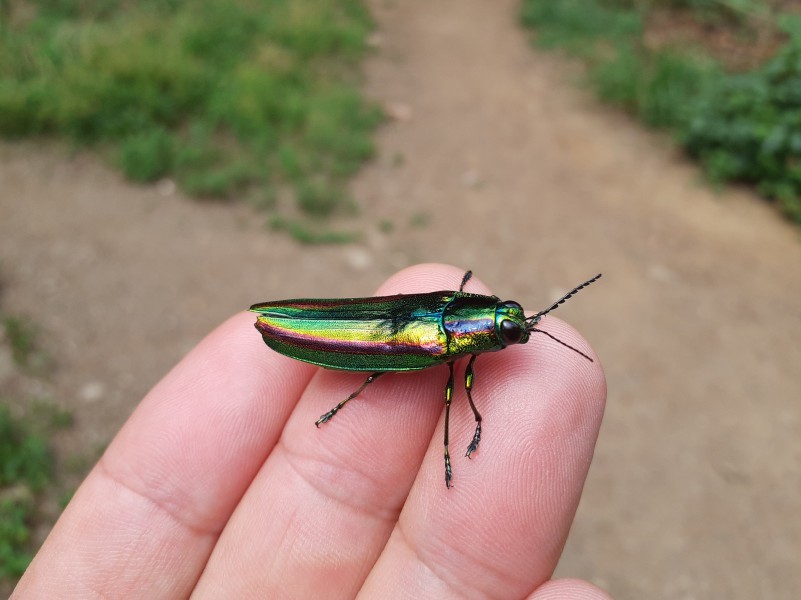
[404, 332]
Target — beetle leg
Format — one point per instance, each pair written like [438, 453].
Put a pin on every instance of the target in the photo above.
[448, 397]
[465, 279]
[327, 416]
[468, 387]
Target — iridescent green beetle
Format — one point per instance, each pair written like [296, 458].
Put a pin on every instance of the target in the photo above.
[405, 332]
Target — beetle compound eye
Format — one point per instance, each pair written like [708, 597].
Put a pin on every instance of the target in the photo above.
[511, 304]
[511, 332]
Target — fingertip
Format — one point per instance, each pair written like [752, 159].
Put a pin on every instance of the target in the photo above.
[430, 277]
[587, 374]
[569, 589]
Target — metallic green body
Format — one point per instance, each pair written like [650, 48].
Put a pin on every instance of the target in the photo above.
[405, 332]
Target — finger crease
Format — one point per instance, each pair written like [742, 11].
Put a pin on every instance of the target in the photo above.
[165, 507]
[375, 510]
[404, 539]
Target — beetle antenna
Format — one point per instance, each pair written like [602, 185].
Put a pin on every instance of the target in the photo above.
[561, 342]
[561, 300]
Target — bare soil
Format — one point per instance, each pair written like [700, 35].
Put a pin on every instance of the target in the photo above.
[524, 178]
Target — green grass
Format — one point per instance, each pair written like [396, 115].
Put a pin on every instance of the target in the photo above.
[420, 220]
[742, 127]
[25, 469]
[226, 97]
[21, 336]
[749, 129]
[311, 233]
[658, 87]
[578, 26]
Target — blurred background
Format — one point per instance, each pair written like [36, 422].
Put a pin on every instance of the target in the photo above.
[164, 165]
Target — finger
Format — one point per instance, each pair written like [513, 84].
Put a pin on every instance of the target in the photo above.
[145, 520]
[569, 589]
[323, 506]
[500, 531]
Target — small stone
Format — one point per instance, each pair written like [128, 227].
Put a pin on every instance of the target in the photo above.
[166, 187]
[92, 391]
[471, 178]
[398, 111]
[358, 258]
[661, 273]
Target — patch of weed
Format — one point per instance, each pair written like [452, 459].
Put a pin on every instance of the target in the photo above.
[25, 469]
[223, 96]
[23, 456]
[740, 126]
[749, 129]
[26, 463]
[148, 155]
[577, 25]
[21, 336]
[305, 233]
[15, 516]
[419, 220]
[660, 88]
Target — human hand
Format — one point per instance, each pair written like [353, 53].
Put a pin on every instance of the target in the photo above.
[220, 486]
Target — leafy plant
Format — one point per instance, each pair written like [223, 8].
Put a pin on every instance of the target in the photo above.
[748, 129]
[741, 127]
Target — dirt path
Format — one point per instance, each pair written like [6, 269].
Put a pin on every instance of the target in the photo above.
[695, 489]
